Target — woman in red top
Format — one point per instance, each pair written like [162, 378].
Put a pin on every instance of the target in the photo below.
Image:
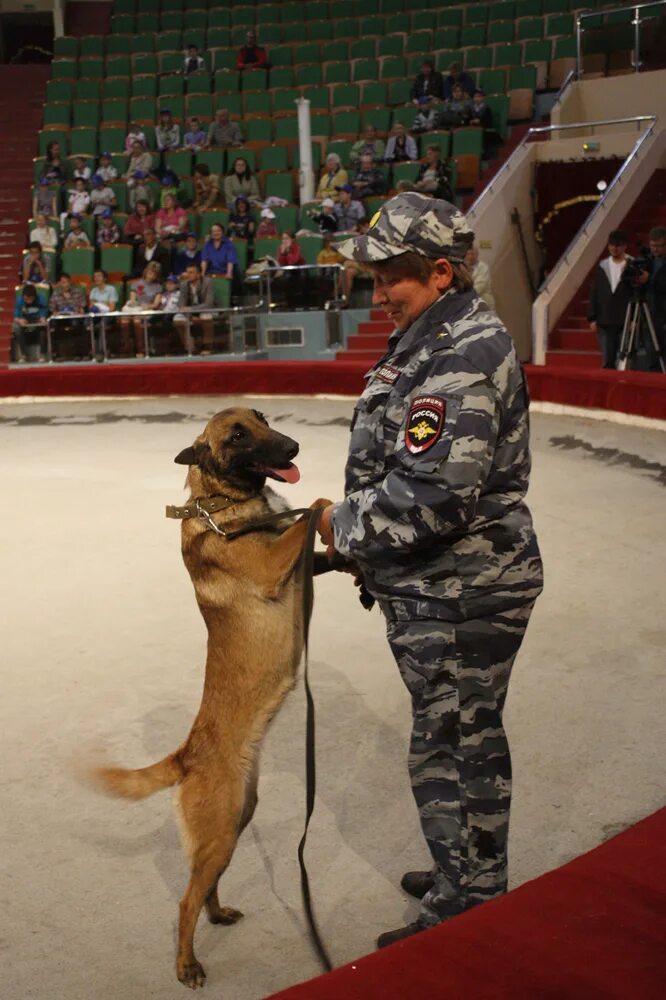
[172, 219]
[289, 252]
[137, 223]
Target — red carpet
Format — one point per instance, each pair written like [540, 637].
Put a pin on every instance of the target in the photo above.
[592, 929]
[641, 393]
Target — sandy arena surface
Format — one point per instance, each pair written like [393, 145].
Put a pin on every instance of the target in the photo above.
[104, 647]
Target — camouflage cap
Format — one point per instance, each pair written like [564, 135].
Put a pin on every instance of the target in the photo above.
[412, 222]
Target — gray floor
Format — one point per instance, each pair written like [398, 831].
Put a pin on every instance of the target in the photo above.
[104, 647]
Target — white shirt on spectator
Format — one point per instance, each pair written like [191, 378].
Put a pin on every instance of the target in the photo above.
[47, 237]
[615, 269]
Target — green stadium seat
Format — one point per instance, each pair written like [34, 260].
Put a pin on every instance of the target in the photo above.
[241, 252]
[201, 105]
[319, 98]
[317, 11]
[294, 33]
[143, 23]
[336, 51]
[405, 172]
[219, 38]
[284, 101]
[319, 31]
[283, 76]
[170, 86]
[503, 10]
[444, 59]
[92, 68]
[414, 63]
[500, 32]
[280, 185]
[225, 59]
[112, 138]
[521, 77]
[213, 158]
[347, 8]
[565, 48]
[282, 55]
[119, 188]
[309, 75]
[286, 128]
[64, 69]
[260, 103]
[226, 82]
[446, 38]
[404, 116]
[493, 81]
[148, 6]
[363, 48]
[347, 27]
[320, 124]
[397, 23]
[420, 43]
[424, 20]
[391, 45]
[467, 141]
[170, 62]
[117, 259]
[379, 117]
[342, 147]
[65, 47]
[142, 86]
[508, 55]
[116, 88]
[259, 130]
[118, 66]
[254, 79]
[143, 109]
[398, 92]
[529, 27]
[92, 45]
[59, 91]
[499, 109]
[121, 24]
[392, 68]
[267, 247]
[311, 248]
[144, 42]
[83, 141]
[145, 64]
[217, 217]
[346, 123]
[374, 94]
[559, 24]
[450, 17]
[124, 6]
[79, 263]
[274, 158]
[179, 161]
[112, 111]
[562, 6]
[373, 205]
[345, 95]
[270, 12]
[270, 35]
[306, 220]
[57, 114]
[440, 139]
[478, 58]
[472, 35]
[243, 16]
[219, 17]
[171, 21]
[118, 45]
[529, 8]
[310, 52]
[337, 72]
[477, 13]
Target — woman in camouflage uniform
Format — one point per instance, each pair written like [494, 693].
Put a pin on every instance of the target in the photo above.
[435, 518]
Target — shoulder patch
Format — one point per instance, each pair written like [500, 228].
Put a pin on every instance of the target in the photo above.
[424, 423]
[387, 373]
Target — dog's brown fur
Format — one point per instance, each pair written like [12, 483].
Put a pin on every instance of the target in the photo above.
[251, 602]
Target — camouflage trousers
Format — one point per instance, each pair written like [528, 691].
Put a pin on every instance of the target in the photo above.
[457, 674]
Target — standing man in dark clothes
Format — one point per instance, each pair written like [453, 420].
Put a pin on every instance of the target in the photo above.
[609, 298]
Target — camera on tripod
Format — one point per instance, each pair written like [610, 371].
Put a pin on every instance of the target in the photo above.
[635, 267]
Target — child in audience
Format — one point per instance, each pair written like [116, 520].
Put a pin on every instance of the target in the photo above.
[139, 190]
[195, 138]
[167, 132]
[106, 169]
[479, 112]
[140, 159]
[44, 199]
[168, 299]
[76, 237]
[108, 232]
[169, 186]
[103, 297]
[29, 326]
[81, 169]
[135, 134]
[43, 233]
[242, 223]
[267, 229]
[78, 201]
[102, 196]
[34, 269]
[190, 254]
[326, 219]
[54, 168]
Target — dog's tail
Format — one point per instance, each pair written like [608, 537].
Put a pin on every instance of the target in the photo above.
[141, 782]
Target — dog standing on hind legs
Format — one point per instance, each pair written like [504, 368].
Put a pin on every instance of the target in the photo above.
[251, 600]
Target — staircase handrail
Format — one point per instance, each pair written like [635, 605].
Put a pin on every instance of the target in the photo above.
[543, 129]
[635, 7]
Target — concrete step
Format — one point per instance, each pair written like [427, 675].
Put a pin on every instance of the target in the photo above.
[573, 359]
[376, 326]
[572, 340]
[365, 342]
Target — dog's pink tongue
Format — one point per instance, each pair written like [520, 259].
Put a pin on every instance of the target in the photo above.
[290, 474]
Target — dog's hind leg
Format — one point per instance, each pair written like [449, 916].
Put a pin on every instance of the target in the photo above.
[218, 914]
[210, 814]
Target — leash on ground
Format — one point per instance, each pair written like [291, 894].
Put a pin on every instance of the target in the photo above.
[313, 564]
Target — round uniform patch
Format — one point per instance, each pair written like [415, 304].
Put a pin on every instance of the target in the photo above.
[425, 423]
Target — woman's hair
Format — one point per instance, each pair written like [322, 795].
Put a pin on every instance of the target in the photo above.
[335, 158]
[171, 196]
[203, 169]
[100, 270]
[152, 265]
[35, 245]
[216, 225]
[414, 265]
[29, 290]
[49, 151]
[434, 148]
[246, 169]
[141, 201]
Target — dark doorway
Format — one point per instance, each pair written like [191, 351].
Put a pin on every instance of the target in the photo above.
[26, 38]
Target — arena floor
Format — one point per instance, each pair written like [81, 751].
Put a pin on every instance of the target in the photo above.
[104, 646]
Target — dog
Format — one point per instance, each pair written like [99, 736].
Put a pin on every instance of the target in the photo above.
[250, 597]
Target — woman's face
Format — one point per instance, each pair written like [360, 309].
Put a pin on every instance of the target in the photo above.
[55, 149]
[170, 202]
[216, 232]
[286, 239]
[457, 93]
[41, 220]
[240, 165]
[98, 278]
[402, 298]
[152, 273]
[141, 210]
[332, 164]
[137, 148]
[241, 207]
[432, 155]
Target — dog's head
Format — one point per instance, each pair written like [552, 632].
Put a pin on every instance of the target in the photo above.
[239, 449]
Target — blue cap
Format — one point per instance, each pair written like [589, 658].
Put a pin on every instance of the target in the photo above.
[96, 179]
[173, 277]
[191, 236]
[165, 111]
[76, 216]
[139, 174]
[107, 214]
[45, 181]
[168, 179]
[345, 187]
[108, 155]
[423, 100]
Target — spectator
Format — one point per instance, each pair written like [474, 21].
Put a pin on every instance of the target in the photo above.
[349, 213]
[54, 168]
[223, 132]
[609, 298]
[81, 169]
[169, 185]
[289, 252]
[193, 62]
[456, 76]
[108, 232]
[251, 56]
[434, 177]
[242, 223]
[29, 326]
[67, 301]
[147, 290]
[169, 299]
[140, 160]
[428, 116]
[197, 290]
[369, 180]
[43, 233]
[33, 267]
[135, 134]
[456, 111]
[480, 273]
[101, 196]
[139, 189]
[369, 143]
[332, 178]
[78, 200]
[171, 221]
[428, 83]
[479, 112]
[76, 237]
[167, 132]
[103, 297]
[326, 219]
[106, 169]
[137, 223]
[328, 254]
[152, 252]
[44, 199]
[219, 255]
[401, 147]
[190, 254]
[206, 189]
[654, 280]
[195, 138]
[240, 181]
[267, 229]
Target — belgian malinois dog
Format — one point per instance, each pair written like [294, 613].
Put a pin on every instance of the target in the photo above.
[251, 600]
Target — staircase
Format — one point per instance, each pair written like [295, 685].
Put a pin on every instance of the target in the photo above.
[516, 135]
[572, 344]
[22, 90]
[369, 342]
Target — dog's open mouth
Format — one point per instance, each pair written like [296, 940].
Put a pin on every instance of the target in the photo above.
[287, 474]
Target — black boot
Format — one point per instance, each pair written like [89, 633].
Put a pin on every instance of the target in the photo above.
[390, 937]
[417, 883]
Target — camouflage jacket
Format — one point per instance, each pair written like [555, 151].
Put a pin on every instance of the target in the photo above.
[438, 468]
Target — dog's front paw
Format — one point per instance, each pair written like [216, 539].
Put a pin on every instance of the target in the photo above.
[224, 915]
[191, 974]
[320, 504]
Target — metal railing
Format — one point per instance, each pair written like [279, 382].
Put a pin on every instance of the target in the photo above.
[636, 22]
[271, 274]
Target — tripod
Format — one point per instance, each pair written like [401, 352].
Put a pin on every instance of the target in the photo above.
[638, 327]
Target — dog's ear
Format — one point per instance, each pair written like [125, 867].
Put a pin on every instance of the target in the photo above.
[188, 456]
